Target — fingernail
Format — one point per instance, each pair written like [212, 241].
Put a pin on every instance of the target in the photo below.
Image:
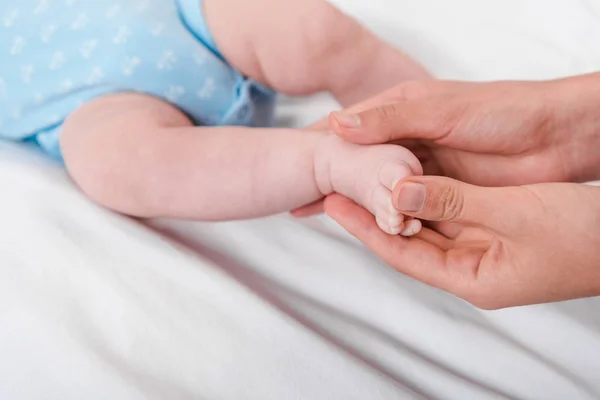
[351, 121]
[411, 197]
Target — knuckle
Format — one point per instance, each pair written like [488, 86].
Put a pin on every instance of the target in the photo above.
[480, 299]
[450, 115]
[451, 203]
[410, 90]
[387, 112]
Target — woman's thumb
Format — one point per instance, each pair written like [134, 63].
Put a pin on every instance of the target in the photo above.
[439, 199]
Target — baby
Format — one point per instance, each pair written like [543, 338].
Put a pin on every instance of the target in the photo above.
[159, 108]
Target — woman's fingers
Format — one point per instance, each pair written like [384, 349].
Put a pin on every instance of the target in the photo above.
[422, 257]
[309, 210]
[435, 238]
[407, 91]
[413, 110]
[449, 230]
[429, 119]
[446, 200]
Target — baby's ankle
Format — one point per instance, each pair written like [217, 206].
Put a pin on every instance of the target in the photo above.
[324, 159]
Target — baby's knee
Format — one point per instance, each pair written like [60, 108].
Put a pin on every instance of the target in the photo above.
[327, 36]
[304, 56]
[327, 30]
[296, 47]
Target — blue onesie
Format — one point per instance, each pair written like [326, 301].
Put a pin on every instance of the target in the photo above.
[56, 55]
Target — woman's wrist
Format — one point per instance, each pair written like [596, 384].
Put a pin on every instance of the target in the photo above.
[575, 125]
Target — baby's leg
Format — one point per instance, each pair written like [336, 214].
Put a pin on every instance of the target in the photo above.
[141, 157]
[302, 47]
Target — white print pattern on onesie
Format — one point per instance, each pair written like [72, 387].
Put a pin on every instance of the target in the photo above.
[174, 93]
[208, 89]
[80, 22]
[130, 65]
[26, 73]
[42, 7]
[18, 45]
[38, 98]
[66, 85]
[47, 32]
[200, 58]
[113, 11]
[167, 61]
[95, 76]
[122, 35]
[10, 18]
[62, 53]
[58, 60]
[88, 48]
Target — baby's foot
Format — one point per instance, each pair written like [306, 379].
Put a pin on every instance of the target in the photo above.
[367, 175]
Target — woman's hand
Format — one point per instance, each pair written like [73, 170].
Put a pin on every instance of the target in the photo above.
[494, 247]
[490, 134]
[389, 96]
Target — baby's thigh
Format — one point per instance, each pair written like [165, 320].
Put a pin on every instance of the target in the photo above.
[287, 44]
[115, 120]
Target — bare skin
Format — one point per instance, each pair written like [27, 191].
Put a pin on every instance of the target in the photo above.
[526, 242]
[143, 157]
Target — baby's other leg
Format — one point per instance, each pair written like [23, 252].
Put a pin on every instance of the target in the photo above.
[302, 47]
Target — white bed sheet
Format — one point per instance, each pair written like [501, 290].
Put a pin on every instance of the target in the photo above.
[97, 306]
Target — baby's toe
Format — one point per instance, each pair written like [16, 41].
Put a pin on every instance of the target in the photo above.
[390, 227]
[388, 218]
[382, 202]
[411, 227]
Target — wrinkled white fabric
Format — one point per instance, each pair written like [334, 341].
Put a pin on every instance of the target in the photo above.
[97, 306]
